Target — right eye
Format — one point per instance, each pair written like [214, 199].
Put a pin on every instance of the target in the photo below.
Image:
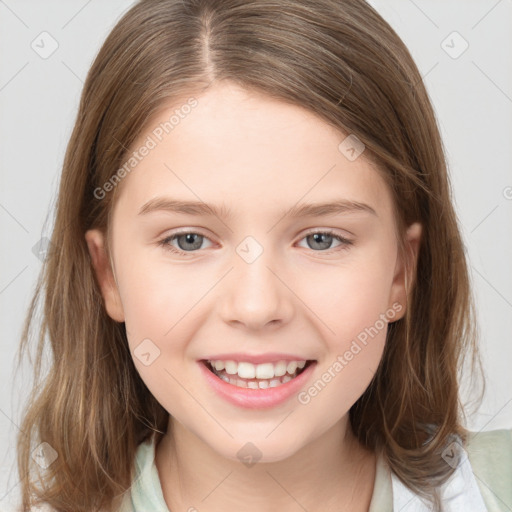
[187, 241]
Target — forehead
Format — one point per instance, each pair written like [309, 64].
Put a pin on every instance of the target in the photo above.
[250, 152]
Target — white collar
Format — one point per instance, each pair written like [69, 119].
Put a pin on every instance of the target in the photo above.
[460, 491]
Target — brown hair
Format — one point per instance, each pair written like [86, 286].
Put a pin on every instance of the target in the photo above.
[341, 61]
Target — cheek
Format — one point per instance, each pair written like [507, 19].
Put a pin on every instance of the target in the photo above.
[158, 299]
[160, 305]
[350, 296]
[161, 300]
[341, 380]
[352, 302]
[342, 303]
[355, 313]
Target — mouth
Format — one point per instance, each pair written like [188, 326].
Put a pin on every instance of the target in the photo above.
[246, 375]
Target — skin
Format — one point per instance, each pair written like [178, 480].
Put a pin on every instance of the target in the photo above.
[259, 157]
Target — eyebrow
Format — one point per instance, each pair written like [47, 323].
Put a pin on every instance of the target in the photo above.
[198, 208]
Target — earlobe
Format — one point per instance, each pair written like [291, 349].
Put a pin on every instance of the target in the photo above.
[405, 270]
[104, 274]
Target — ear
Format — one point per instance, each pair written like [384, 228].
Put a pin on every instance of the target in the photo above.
[405, 270]
[104, 274]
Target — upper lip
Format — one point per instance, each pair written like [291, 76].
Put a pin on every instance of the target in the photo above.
[271, 357]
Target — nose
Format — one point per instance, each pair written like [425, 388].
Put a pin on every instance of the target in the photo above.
[256, 294]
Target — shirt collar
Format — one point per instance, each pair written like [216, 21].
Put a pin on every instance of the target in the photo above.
[146, 491]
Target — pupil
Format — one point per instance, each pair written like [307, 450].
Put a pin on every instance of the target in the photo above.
[324, 239]
[192, 239]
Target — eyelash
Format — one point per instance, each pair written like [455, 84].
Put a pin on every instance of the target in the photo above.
[165, 242]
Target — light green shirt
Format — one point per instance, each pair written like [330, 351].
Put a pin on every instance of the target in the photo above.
[489, 475]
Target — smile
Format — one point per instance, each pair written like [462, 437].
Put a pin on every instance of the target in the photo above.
[256, 376]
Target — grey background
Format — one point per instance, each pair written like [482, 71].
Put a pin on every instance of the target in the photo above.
[472, 96]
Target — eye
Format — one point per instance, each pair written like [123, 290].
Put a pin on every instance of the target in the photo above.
[187, 241]
[191, 241]
[322, 239]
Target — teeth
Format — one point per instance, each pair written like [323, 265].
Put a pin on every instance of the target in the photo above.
[231, 367]
[219, 365]
[280, 368]
[269, 375]
[265, 371]
[292, 366]
[246, 370]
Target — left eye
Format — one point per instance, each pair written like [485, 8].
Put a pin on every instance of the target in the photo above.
[324, 239]
[190, 241]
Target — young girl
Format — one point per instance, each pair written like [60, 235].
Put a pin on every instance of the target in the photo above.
[257, 296]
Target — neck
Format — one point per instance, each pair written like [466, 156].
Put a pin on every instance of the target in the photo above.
[331, 473]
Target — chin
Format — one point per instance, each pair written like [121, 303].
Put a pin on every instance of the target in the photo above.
[258, 448]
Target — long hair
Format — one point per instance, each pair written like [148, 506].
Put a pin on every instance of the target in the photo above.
[341, 61]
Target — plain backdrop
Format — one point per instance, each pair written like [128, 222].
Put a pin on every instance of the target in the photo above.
[463, 49]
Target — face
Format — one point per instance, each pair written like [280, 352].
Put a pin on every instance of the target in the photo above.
[251, 280]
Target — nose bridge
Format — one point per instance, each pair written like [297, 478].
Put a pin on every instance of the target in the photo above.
[255, 295]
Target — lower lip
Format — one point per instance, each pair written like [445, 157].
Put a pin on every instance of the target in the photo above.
[256, 398]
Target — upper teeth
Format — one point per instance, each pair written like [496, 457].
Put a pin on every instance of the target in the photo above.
[259, 371]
